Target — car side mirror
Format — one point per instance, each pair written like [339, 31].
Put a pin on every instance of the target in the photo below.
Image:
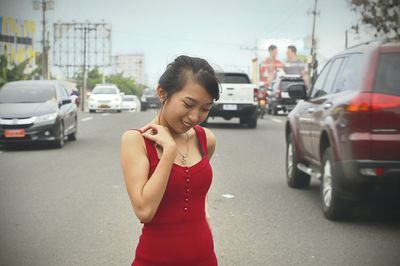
[66, 101]
[297, 91]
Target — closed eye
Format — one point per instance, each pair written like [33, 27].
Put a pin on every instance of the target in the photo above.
[188, 106]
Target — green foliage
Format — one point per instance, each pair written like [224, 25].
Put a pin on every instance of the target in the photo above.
[302, 57]
[13, 71]
[126, 85]
[383, 16]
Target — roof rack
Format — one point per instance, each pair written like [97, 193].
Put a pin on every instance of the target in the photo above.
[379, 41]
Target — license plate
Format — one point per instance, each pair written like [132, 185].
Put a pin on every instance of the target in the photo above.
[229, 107]
[104, 106]
[14, 133]
[285, 94]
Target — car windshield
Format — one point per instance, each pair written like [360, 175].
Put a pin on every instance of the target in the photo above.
[233, 78]
[388, 74]
[26, 93]
[149, 92]
[105, 90]
[128, 99]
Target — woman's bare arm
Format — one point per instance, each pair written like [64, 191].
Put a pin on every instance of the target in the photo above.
[211, 143]
[145, 193]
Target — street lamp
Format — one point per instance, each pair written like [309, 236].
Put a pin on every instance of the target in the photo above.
[44, 5]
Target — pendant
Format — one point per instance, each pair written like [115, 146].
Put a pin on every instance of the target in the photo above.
[183, 161]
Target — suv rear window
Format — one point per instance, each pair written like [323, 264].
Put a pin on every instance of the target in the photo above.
[286, 83]
[387, 78]
[233, 78]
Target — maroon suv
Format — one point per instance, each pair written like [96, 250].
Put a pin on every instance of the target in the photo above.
[346, 130]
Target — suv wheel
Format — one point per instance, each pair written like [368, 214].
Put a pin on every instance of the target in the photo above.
[274, 110]
[333, 206]
[294, 177]
[252, 120]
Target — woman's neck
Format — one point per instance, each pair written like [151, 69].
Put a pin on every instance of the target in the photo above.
[160, 121]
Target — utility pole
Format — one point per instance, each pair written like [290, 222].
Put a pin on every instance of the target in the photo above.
[255, 61]
[313, 64]
[44, 5]
[78, 49]
[84, 87]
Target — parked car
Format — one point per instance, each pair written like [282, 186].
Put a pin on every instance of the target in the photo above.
[149, 99]
[346, 131]
[238, 98]
[130, 103]
[278, 98]
[105, 97]
[36, 110]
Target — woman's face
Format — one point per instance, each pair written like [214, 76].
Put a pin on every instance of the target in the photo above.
[186, 108]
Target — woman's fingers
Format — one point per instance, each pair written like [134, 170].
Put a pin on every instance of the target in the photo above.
[149, 136]
[151, 126]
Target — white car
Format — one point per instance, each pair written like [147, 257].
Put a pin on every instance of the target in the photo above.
[130, 103]
[105, 97]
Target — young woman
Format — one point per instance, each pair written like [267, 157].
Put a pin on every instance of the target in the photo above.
[167, 171]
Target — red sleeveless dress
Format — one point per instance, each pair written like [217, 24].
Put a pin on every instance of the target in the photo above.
[178, 234]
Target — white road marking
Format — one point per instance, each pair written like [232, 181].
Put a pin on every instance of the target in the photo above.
[105, 114]
[228, 196]
[276, 120]
[116, 186]
[86, 119]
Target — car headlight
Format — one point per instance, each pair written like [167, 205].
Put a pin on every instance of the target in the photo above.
[46, 118]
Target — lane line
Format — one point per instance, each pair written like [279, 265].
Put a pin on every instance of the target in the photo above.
[86, 119]
[276, 120]
[105, 114]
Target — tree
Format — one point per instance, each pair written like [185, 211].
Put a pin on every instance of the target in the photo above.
[126, 85]
[13, 71]
[383, 16]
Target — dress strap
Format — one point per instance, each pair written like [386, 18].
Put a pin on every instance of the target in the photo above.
[201, 135]
[150, 148]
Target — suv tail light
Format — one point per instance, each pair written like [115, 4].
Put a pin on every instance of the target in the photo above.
[255, 93]
[278, 93]
[365, 102]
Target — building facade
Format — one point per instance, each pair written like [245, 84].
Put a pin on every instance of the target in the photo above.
[130, 65]
[17, 39]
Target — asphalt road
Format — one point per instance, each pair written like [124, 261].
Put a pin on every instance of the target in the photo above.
[70, 206]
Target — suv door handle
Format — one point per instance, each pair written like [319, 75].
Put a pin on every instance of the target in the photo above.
[310, 110]
[327, 105]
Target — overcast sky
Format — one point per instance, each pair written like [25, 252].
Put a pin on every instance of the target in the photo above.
[217, 30]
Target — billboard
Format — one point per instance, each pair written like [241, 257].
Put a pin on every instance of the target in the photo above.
[17, 39]
[268, 65]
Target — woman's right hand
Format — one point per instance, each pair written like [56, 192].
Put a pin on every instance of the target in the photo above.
[160, 135]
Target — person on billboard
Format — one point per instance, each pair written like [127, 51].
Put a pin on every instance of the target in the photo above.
[293, 65]
[270, 66]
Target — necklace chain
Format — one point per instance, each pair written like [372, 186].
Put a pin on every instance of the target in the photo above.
[184, 156]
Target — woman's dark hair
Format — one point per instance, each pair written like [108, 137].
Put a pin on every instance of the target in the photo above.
[185, 68]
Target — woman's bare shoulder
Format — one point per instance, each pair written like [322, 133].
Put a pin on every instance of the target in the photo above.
[132, 139]
[211, 141]
[210, 135]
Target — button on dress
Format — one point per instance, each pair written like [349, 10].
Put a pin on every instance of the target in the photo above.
[178, 234]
